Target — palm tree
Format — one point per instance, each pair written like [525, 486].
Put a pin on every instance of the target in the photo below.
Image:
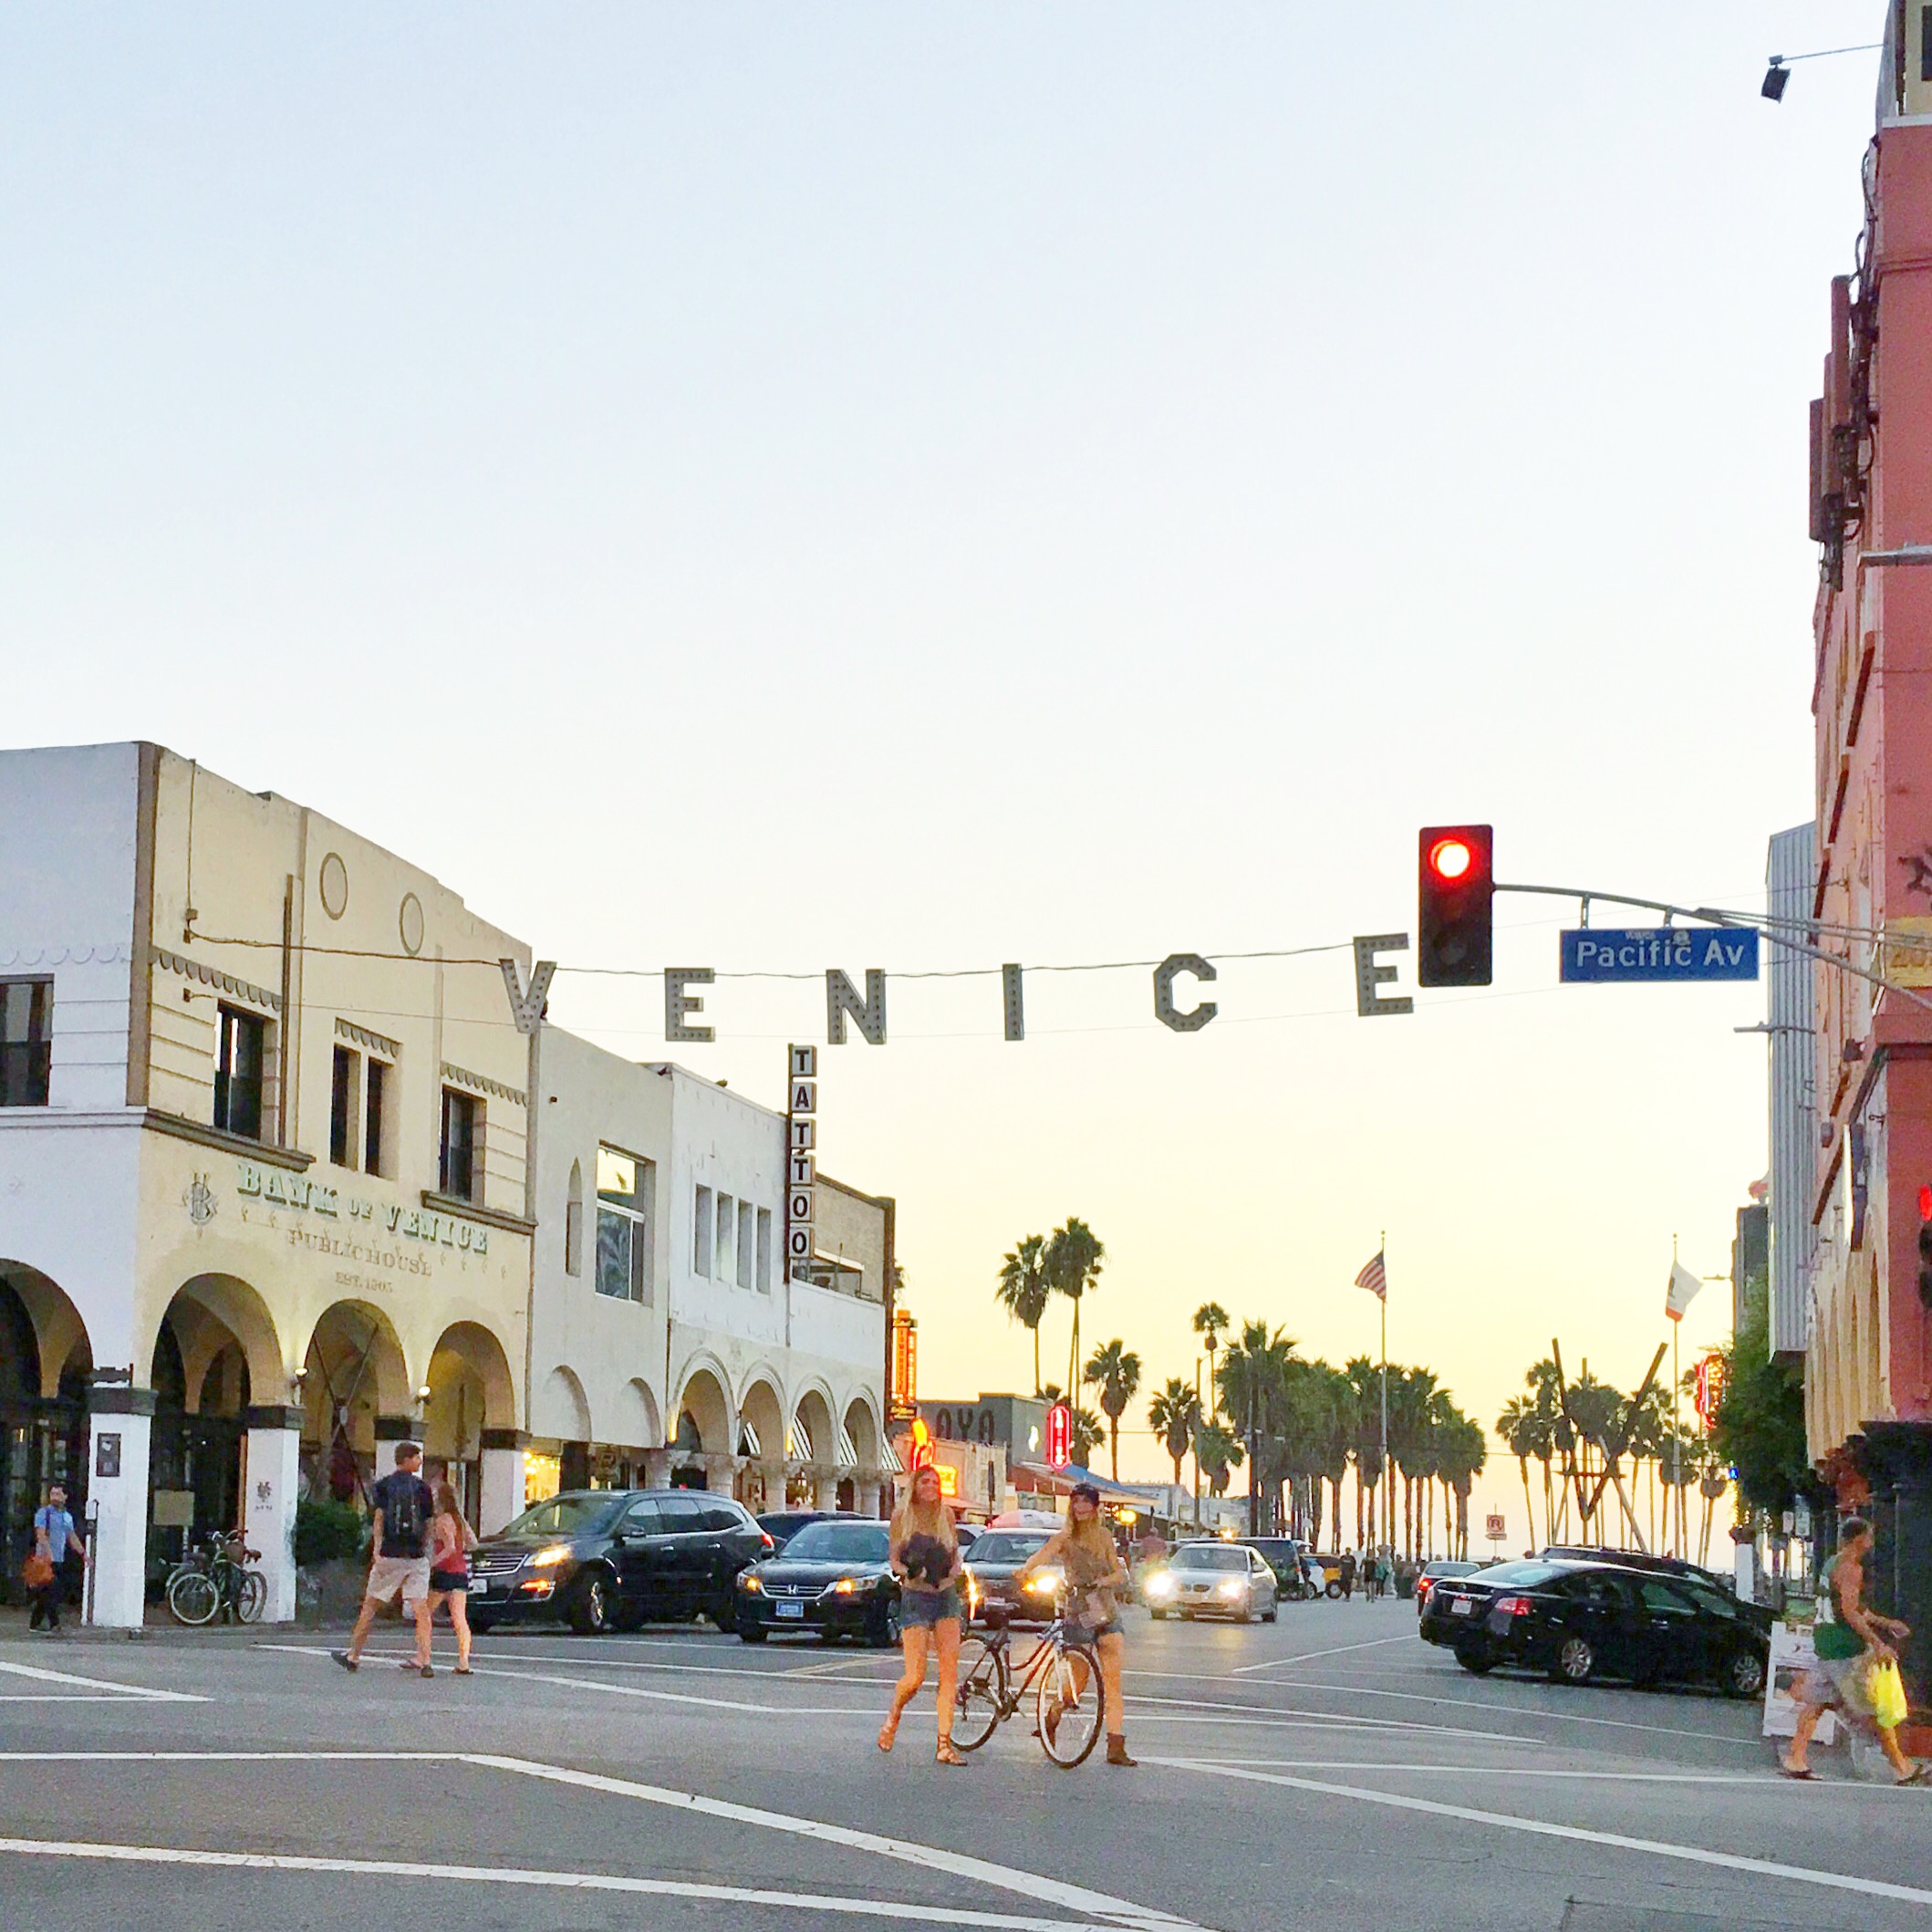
[1114, 1370]
[1024, 1291]
[1219, 1451]
[1364, 1379]
[1172, 1414]
[1211, 1322]
[1522, 1426]
[1074, 1256]
[1252, 1381]
[1335, 1440]
[1464, 1451]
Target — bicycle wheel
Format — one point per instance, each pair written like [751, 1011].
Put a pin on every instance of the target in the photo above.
[980, 1700]
[193, 1597]
[251, 1596]
[1073, 1706]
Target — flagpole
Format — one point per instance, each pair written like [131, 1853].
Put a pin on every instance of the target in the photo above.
[1677, 1415]
[1383, 1298]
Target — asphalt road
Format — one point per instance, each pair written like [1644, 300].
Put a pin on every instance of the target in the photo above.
[1330, 1770]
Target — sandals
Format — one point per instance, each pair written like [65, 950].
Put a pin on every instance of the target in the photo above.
[887, 1731]
[948, 1754]
[1789, 1771]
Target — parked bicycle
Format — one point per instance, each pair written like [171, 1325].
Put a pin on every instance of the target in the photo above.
[213, 1580]
[1061, 1673]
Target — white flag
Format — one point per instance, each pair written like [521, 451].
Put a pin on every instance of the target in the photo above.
[1682, 1292]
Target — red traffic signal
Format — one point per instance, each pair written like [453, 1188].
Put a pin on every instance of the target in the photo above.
[1455, 885]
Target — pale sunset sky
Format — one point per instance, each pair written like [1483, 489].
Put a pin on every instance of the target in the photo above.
[915, 487]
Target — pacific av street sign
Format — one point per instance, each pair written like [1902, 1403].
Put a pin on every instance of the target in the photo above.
[1659, 952]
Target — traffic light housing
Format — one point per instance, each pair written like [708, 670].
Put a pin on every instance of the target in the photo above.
[1456, 882]
[1925, 1246]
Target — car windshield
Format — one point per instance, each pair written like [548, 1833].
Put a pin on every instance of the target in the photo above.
[1528, 1574]
[1006, 1546]
[838, 1542]
[563, 1516]
[1210, 1556]
[1447, 1569]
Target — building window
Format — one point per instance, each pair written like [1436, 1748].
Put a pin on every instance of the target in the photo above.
[375, 1124]
[747, 1242]
[345, 1091]
[574, 1223]
[623, 1226]
[462, 1127]
[727, 1237]
[701, 1247]
[238, 1060]
[764, 1251]
[27, 1044]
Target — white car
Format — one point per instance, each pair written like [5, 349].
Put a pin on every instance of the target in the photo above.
[1214, 1579]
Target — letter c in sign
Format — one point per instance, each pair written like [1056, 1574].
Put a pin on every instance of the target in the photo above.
[1165, 975]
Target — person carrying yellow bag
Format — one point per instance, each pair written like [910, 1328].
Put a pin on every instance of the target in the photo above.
[1856, 1666]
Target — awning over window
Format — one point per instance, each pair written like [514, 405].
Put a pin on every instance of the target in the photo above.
[847, 1450]
[748, 1440]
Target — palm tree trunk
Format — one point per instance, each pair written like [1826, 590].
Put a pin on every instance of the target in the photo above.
[1113, 1448]
[1358, 1506]
[1036, 1358]
[1529, 1503]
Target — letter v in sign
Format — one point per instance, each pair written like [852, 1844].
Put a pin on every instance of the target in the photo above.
[526, 1008]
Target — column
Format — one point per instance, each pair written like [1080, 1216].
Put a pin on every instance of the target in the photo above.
[825, 1494]
[1901, 1575]
[502, 1478]
[721, 1474]
[119, 1417]
[656, 1469]
[866, 1496]
[275, 1452]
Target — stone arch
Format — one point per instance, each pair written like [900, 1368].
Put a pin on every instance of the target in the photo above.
[567, 1406]
[42, 1336]
[353, 1371]
[861, 1425]
[761, 1413]
[815, 1436]
[573, 1222]
[637, 1423]
[210, 1311]
[470, 1389]
[703, 1398]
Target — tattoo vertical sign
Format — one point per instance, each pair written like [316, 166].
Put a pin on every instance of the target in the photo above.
[801, 1177]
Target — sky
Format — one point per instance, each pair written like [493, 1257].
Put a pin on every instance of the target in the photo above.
[918, 488]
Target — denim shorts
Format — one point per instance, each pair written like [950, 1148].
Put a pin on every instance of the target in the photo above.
[921, 1609]
[1082, 1634]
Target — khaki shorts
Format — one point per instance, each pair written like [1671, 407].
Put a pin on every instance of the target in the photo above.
[388, 1575]
[1839, 1683]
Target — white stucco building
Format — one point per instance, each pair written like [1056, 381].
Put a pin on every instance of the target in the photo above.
[269, 1186]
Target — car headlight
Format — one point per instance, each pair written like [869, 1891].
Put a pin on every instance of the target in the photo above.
[559, 1553]
[1233, 1588]
[850, 1586]
[1161, 1586]
[748, 1583]
[1044, 1583]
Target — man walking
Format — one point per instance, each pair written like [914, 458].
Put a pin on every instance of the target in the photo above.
[54, 1536]
[1850, 1639]
[1348, 1575]
[398, 1556]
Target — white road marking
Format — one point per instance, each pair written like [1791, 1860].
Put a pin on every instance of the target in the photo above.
[1308, 1656]
[1333, 1719]
[133, 1691]
[928, 1857]
[561, 1881]
[1763, 1779]
[1542, 1828]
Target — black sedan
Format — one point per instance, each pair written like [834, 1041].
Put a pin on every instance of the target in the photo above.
[608, 1558]
[831, 1579]
[989, 1587]
[1582, 1621]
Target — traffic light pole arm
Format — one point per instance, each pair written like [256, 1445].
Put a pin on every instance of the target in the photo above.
[1770, 929]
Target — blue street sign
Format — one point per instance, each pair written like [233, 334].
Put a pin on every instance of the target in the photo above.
[1660, 953]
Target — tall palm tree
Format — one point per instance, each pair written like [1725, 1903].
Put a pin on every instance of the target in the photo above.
[1219, 1451]
[1252, 1382]
[1365, 1380]
[1210, 1324]
[1073, 1260]
[1114, 1370]
[1172, 1414]
[1410, 1391]
[1024, 1291]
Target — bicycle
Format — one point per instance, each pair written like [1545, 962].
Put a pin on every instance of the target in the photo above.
[1061, 1672]
[210, 1580]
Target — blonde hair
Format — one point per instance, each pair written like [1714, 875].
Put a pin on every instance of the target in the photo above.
[915, 1519]
[1091, 1535]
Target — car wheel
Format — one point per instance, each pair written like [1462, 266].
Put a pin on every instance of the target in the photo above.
[1744, 1675]
[1333, 1590]
[1478, 1663]
[1271, 1613]
[1575, 1661]
[883, 1626]
[1160, 1616]
[481, 1626]
[589, 1611]
[1187, 1617]
[751, 1631]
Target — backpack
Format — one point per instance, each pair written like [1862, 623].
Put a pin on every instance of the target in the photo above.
[402, 1517]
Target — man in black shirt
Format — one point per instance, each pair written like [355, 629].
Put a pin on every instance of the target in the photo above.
[398, 1556]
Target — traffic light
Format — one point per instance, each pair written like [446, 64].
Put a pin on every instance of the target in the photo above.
[1456, 883]
[1925, 1246]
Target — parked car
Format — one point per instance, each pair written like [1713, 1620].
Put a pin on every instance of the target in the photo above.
[1289, 1561]
[1215, 1579]
[833, 1578]
[991, 1590]
[608, 1558]
[1641, 1559]
[782, 1525]
[1580, 1621]
[1433, 1572]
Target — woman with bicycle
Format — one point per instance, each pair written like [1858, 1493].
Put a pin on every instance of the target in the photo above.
[925, 1557]
[451, 1542]
[1084, 1555]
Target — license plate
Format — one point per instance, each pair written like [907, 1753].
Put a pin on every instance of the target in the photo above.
[1460, 1606]
[479, 1586]
[788, 1610]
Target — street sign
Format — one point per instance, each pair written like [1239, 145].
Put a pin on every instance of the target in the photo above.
[1496, 1532]
[1647, 953]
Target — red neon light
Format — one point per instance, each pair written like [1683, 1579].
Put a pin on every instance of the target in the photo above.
[1059, 1435]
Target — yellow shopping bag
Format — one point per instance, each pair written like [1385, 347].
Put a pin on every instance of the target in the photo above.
[1887, 1690]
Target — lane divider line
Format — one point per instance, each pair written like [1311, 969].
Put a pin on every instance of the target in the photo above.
[1308, 1656]
[132, 1691]
[1575, 1833]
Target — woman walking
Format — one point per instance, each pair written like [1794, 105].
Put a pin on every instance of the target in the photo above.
[451, 1542]
[925, 1557]
[1086, 1557]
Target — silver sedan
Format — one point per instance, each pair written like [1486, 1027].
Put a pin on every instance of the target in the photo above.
[1214, 1579]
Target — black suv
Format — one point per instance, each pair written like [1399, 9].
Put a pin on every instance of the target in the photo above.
[608, 1558]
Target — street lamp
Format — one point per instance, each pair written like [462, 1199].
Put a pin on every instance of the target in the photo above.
[1777, 76]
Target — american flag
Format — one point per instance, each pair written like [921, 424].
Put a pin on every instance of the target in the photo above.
[1374, 1278]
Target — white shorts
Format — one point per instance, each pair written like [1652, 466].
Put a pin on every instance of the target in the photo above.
[388, 1575]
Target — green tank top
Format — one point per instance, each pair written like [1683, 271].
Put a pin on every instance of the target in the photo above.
[1831, 1636]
